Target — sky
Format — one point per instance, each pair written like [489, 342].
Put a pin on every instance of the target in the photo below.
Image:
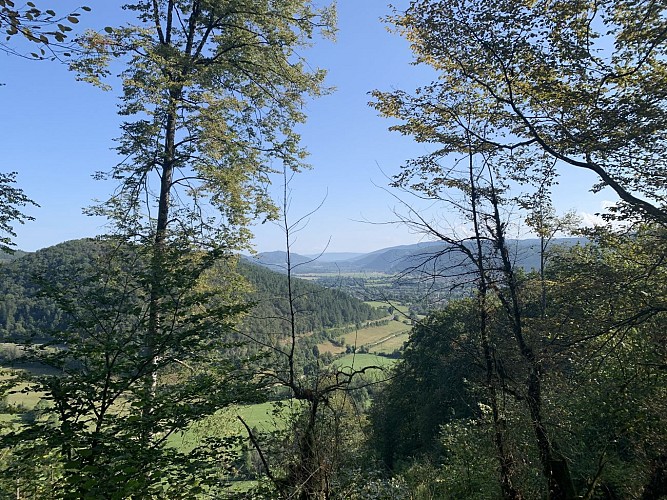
[56, 132]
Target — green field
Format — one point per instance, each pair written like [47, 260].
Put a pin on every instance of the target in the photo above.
[391, 344]
[361, 360]
[401, 308]
[15, 397]
[358, 274]
[375, 334]
[262, 416]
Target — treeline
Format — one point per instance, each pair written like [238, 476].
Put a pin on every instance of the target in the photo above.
[27, 309]
[317, 308]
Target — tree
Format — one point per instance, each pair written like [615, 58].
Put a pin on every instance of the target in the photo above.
[609, 301]
[306, 463]
[429, 387]
[580, 82]
[110, 431]
[523, 85]
[214, 90]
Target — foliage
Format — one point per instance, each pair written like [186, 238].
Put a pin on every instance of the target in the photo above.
[25, 311]
[319, 308]
[212, 91]
[609, 301]
[215, 90]
[39, 26]
[12, 201]
[104, 441]
[578, 82]
[524, 89]
[429, 387]
[603, 357]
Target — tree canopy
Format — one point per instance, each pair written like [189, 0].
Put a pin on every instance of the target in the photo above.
[582, 83]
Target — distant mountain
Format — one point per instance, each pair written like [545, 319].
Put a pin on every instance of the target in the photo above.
[335, 256]
[435, 255]
[397, 259]
[277, 260]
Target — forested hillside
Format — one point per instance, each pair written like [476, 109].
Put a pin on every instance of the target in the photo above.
[27, 310]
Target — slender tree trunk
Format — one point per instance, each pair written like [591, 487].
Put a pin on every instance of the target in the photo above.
[656, 487]
[505, 460]
[158, 255]
[554, 467]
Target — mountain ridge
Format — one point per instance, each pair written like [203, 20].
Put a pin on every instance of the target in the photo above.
[401, 258]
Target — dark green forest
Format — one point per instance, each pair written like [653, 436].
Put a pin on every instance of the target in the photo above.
[540, 381]
[28, 312]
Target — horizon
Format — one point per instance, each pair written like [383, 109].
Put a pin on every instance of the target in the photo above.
[61, 132]
[246, 253]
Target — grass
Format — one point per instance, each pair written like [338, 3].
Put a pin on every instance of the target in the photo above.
[26, 400]
[376, 303]
[391, 344]
[16, 397]
[225, 422]
[375, 334]
[381, 338]
[396, 305]
[329, 347]
[360, 361]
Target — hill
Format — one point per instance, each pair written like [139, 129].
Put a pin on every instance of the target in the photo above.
[8, 257]
[432, 255]
[277, 260]
[24, 310]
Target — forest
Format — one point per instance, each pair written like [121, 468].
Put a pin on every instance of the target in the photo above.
[135, 363]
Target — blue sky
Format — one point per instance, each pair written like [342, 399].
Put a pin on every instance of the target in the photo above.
[57, 132]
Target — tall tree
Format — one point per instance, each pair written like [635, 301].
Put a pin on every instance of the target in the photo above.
[582, 82]
[511, 352]
[212, 92]
[216, 88]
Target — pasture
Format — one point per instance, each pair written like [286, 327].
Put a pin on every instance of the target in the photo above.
[359, 361]
[374, 335]
[390, 344]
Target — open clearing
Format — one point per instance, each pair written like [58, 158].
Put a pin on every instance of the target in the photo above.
[329, 347]
[262, 416]
[374, 334]
[391, 344]
[360, 361]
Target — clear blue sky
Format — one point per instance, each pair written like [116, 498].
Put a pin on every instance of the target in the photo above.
[56, 132]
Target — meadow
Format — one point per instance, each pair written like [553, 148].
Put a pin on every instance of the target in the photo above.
[374, 335]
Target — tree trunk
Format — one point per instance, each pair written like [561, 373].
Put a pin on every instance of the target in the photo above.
[555, 469]
[657, 484]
